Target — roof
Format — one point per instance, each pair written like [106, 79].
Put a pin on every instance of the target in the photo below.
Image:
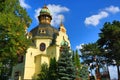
[44, 31]
[45, 10]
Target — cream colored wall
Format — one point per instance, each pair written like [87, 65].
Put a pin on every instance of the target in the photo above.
[54, 51]
[40, 60]
[30, 63]
[59, 39]
[44, 59]
[29, 66]
[46, 41]
[37, 65]
[57, 52]
[51, 51]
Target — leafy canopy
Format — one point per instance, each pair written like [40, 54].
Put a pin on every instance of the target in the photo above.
[14, 21]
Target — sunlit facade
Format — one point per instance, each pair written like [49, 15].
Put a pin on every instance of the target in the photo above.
[46, 43]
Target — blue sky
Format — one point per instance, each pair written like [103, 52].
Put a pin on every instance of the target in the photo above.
[83, 19]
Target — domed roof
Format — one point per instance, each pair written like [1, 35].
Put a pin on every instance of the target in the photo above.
[44, 31]
[45, 16]
[45, 10]
[63, 43]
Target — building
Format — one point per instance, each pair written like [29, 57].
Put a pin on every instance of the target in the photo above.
[46, 43]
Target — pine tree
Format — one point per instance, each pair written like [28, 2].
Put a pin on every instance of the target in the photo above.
[77, 60]
[84, 73]
[66, 69]
[77, 65]
[43, 75]
[52, 73]
[109, 42]
[73, 57]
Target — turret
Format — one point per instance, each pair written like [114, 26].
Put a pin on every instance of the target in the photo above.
[45, 16]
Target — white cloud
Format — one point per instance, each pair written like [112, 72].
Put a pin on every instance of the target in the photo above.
[113, 9]
[56, 12]
[23, 4]
[95, 19]
[37, 12]
[79, 46]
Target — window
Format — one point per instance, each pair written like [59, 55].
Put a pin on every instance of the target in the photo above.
[42, 31]
[42, 46]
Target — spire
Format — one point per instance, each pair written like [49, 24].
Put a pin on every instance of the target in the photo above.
[45, 7]
[61, 21]
[45, 2]
[62, 28]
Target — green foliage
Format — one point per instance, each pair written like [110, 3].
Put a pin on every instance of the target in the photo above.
[109, 42]
[81, 70]
[5, 69]
[13, 22]
[43, 75]
[52, 74]
[84, 73]
[48, 73]
[91, 54]
[77, 60]
[73, 56]
[107, 47]
[66, 69]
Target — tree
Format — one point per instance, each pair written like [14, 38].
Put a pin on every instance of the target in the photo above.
[13, 22]
[84, 74]
[109, 41]
[91, 54]
[77, 59]
[43, 75]
[76, 62]
[52, 73]
[66, 69]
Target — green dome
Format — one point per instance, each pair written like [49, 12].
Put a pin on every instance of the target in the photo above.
[45, 10]
[64, 43]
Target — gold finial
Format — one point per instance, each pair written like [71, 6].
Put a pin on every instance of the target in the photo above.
[45, 6]
[62, 28]
[45, 2]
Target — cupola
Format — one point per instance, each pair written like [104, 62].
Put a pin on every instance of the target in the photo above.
[45, 16]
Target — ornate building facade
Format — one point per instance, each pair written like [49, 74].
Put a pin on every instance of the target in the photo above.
[46, 43]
